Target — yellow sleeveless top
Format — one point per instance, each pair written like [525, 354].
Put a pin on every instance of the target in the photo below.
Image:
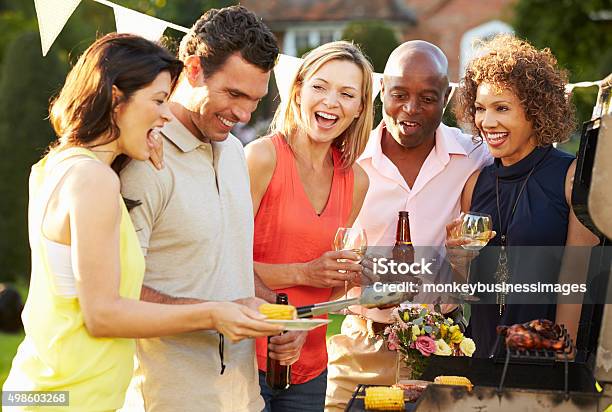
[58, 354]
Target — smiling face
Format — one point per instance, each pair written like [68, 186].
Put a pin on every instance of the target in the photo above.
[413, 95]
[228, 96]
[501, 120]
[147, 109]
[330, 99]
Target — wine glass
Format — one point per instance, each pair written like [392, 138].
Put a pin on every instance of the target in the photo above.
[355, 240]
[475, 227]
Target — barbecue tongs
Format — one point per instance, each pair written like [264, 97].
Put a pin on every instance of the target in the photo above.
[369, 298]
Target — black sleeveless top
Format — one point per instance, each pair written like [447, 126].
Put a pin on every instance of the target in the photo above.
[535, 236]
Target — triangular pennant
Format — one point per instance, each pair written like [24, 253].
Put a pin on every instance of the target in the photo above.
[376, 84]
[130, 21]
[453, 87]
[284, 72]
[52, 16]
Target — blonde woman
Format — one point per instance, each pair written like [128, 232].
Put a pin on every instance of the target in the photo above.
[305, 184]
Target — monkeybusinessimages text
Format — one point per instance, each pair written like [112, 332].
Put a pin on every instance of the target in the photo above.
[384, 266]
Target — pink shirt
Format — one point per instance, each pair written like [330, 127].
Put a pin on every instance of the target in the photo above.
[432, 202]
[435, 198]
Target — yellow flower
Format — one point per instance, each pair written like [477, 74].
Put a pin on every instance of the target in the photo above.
[443, 330]
[456, 336]
[415, 332]
[453, 328]
[406, 316]
[442, 348]
[467, 346]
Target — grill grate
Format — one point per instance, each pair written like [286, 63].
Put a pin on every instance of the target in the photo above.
[508, 356]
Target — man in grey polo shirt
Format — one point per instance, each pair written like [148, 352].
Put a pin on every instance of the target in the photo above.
[195, 220]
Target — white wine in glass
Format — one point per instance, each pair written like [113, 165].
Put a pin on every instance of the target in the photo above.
[355, 240]
[475, 227]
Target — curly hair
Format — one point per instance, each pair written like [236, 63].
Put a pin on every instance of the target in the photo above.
[219, 33]
[535, 78]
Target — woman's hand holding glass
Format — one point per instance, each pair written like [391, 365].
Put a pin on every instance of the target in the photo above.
[331, 269]
[464, 238]
[355, 241]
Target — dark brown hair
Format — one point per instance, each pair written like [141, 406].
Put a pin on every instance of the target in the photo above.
[220, 33]
[532, 74]
[83, 110]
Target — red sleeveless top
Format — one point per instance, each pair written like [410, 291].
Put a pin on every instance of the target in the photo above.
[288, 230]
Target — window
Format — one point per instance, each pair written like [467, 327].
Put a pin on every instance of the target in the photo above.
[326, 36]
[302, 41]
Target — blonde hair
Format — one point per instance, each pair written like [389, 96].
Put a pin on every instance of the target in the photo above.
[352, 141]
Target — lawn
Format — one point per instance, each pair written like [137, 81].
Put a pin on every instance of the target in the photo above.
[334, 327]
[9, 342]
[8, 347]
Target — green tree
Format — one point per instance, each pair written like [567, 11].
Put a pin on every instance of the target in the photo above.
[15, 17]
[181, 12]
[28, 80]
[377, 40]
[577, 36]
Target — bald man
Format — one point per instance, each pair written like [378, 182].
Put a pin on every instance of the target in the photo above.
[414, 163]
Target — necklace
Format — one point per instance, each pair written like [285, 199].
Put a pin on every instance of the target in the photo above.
[502, 274]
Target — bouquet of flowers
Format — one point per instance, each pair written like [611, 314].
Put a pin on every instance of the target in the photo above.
[417, 333]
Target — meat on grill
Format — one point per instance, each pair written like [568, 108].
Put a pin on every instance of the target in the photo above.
[536, 334]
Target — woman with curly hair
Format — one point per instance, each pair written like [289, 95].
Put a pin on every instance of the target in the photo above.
[514, 98]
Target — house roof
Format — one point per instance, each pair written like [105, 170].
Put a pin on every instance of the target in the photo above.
[281, 11]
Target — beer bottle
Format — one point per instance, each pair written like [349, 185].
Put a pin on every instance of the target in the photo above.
[278, 376]
[403, 251]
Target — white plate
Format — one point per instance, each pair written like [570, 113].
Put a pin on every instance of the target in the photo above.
[301, 324]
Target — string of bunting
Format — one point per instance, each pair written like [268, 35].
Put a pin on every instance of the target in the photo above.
[52, 16]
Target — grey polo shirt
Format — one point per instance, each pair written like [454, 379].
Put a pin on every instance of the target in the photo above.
[195, 226]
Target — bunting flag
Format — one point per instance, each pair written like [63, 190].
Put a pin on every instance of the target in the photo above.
[376, 84]
[130, 21]
[52, 15]
[453, 87]
[571, 86]
[284, 72]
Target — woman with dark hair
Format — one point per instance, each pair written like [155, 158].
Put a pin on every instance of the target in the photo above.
[87, 265]
[513, 96]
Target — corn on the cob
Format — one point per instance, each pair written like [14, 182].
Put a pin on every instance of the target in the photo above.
[278, 312]
[384, 398]
[454, 380]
